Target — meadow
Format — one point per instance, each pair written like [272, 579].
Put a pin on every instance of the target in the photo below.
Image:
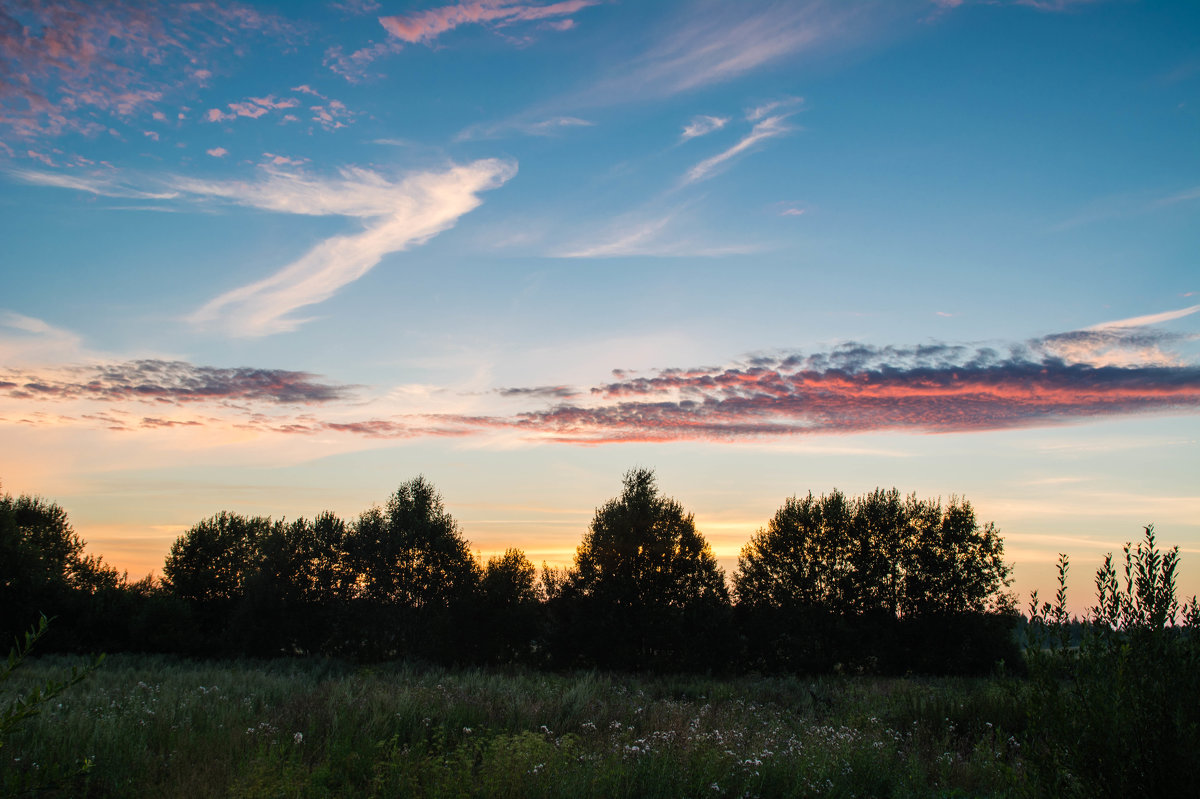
[164, 726]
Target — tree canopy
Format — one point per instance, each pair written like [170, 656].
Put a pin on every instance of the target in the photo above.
[878, 552]
[644, 549]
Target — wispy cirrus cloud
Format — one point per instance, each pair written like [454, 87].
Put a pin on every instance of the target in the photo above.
[540, 127]
[702, 125]
[633, 234]
[768, 128]
[396, 213]
[426, 26]
[713, 42]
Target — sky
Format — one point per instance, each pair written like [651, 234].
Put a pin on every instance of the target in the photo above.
[280, 257]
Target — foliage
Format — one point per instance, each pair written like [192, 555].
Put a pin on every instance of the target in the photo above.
[34, 700]
[43, 566]
[874, 553]
[1120, 715]
[411, 552]
[319, 728]
[877, 583]
[645, 589]
[643, 549]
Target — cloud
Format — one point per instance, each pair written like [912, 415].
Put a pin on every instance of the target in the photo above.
[76, 60]
[768, 128]
[332, 115]
[100, 185]
[545, 392]
[1149, 319]
[217, 152]
[170, 381]
[542, 127]
[716, 42]
[857, 388]
[850, 388]
[397, 215]
[702, 125]
[425, 26]
[252, 108]
[635, 235]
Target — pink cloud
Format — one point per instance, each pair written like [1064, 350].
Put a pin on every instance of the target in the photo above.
[217, 152]
[251, 108]
[76, 59]
[425, 26]
[332, 116]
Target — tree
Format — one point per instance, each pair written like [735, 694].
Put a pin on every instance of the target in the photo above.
[43, 568]
[876, 553]
[411, 552]
[643, 549]
[802, 559]
[508, 610]
[214, 560]
[879, 580]
[645, 582]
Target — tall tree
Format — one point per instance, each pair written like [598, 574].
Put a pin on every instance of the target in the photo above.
[645, 589]
[216, 557]
[411, 552]
[643, 549]
[44, 569]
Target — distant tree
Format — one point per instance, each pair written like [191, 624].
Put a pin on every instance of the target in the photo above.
[830, 580]
[643, 549]
[510, 579]
[415, 580]
[215, 558]
[645, 588]
[509, 609]
[43, 565]
[877, 553]
[411, 552]
[953, 564]
[802, 559]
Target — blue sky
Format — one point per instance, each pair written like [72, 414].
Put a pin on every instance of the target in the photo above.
[279, 257]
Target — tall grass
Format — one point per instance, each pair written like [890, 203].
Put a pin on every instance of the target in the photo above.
[169, 727]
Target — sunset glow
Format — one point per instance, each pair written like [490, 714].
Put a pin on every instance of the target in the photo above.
[277, 258]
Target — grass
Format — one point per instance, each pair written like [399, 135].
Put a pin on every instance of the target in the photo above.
[160, 726]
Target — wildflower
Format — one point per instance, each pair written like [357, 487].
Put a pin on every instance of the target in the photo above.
[466, 730]
[715, 787]
[545, 730]
[298, 738]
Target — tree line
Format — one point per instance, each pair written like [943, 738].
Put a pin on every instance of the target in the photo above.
[880, 582]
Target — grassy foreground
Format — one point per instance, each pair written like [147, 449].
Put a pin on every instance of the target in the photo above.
[155, 726]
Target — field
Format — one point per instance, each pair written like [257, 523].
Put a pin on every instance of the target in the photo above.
[156, 726]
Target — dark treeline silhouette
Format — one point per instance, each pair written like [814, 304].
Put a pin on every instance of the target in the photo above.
[879, 583]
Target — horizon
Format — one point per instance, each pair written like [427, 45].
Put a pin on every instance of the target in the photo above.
[277, 258]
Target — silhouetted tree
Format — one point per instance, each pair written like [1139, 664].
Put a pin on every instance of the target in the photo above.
[646, 582]
[508, 608]
[879, 581]
[414, 571]
[953, 564]
[213, 560]
[411, 552]
[43, 567]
